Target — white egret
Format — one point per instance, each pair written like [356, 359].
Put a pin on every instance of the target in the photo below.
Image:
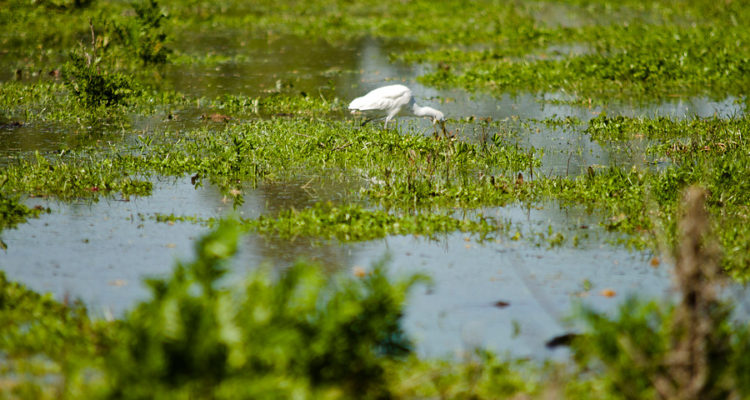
[392, 100]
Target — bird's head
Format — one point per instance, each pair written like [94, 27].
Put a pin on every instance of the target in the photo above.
[436, 116]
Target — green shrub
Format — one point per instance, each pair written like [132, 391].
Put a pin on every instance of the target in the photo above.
[43, 343]
[143, 34]
[298, 334]
[151, 37]
[93, 85]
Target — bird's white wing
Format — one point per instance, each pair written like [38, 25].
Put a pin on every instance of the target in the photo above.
[384, 98]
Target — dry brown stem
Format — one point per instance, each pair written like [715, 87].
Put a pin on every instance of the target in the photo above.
[695, 339]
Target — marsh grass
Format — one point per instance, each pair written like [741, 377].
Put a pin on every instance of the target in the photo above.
[686, 351]
[710, 152]
[279, 340]
[296, 332]
[645, 62]
[13, 212]
[283, 135]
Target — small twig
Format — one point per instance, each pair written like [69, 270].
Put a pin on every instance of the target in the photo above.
[307, 185]
[342, 146]
[531, 168]
[302, 134]
[93, 37]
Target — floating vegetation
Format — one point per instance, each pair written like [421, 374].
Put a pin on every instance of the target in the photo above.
[97, 69]
[413, 171]
[14, 212]
[352, 223]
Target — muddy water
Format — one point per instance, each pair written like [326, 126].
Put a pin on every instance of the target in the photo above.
[100, 252]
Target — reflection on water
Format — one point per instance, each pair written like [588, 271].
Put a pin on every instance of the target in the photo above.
[303, 65]
[255, 66]
[16, 141]
[101, 251]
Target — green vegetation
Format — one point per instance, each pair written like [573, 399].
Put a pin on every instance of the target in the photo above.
[295, 333]
[348, 223]
[398, 169]
[708, 152]
[412, 172]
[44, 343]
[93, 86]
[13, 212]
[95, 69]
[642, 61]
[299, 334]
[691, 350]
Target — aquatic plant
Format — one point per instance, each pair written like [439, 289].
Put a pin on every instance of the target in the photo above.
[14, 212]
[353, 223]
[710, 152]
[688, 351]
[88, 176]
[93, 84]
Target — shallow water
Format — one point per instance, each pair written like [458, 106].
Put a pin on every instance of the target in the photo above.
[255, 67]
[100, 252]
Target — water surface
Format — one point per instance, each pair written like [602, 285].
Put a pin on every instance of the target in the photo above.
[99, 252]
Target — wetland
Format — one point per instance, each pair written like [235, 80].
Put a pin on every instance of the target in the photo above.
[189, 207]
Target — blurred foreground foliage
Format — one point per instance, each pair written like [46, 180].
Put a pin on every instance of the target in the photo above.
[290, 334]
[299, 333]
[691, 350]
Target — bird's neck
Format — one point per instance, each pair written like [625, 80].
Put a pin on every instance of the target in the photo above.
[422, 111]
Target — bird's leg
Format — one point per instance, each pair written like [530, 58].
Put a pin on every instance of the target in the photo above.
[391, 115]
[442, 125]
